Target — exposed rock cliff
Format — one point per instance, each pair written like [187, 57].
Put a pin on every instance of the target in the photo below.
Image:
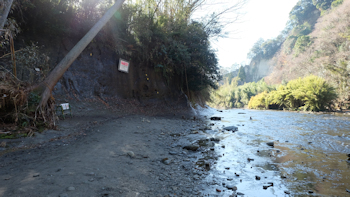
[258, 69]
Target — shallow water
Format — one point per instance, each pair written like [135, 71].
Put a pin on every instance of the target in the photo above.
[309, 157]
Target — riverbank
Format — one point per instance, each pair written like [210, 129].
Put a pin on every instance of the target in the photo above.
[105, 151]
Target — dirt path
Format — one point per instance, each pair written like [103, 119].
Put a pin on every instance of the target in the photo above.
[107, 155]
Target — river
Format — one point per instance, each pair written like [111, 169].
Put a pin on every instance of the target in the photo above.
[309, 156]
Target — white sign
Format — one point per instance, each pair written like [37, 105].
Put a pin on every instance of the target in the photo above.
[65, 106]
[123, 65]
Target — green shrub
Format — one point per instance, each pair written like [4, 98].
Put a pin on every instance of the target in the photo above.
[311, 93]
[337, 3]
[259, 101]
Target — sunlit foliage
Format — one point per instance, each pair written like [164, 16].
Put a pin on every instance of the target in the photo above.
[309, 94]
[230, 95]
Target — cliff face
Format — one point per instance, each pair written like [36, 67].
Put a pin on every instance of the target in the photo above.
[258, 69]
[95, 75]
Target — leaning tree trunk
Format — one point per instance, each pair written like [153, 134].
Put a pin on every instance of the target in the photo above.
[5, 12]
[46, 87]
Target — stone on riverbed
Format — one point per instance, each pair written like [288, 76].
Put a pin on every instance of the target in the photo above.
[215, 118]
[166, 161]
[191, 147]
[215, 139]
[131, 154]
[270, 144]
[231, 128]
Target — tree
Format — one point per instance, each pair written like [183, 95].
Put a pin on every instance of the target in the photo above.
[46, 87]
[322, 4]
[241, 74]
[301, 44]
[301, 12]
[256, 49]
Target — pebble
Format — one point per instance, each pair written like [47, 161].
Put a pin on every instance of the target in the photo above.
[257, 177]
[240, 194]
[214, 139]
[348, 190]
[286, 192]
[71, 188]
[207, 166]
[270, 144]
[63, 195]
[131, 154]
[36, 175]
[191, 147]
[223, 146]
[172, 153]
[310, 192]
[218, 190]
[230, 186]
[166, 161]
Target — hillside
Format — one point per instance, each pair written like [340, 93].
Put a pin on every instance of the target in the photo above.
[315, 42]
[324, 52]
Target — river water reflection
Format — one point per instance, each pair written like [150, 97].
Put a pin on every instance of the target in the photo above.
[309, 157]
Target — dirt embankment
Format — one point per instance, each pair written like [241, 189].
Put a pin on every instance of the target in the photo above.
[104, 151]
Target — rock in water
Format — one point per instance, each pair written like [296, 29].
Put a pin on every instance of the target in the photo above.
[215, 118]
[231, 128]
[270, 144]
[191, 147]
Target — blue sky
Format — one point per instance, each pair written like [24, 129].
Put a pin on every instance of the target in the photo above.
[262, 19]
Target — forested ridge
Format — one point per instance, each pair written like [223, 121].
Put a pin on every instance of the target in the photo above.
[314, 43]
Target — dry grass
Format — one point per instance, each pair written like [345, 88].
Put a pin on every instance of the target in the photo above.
[16, 114]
